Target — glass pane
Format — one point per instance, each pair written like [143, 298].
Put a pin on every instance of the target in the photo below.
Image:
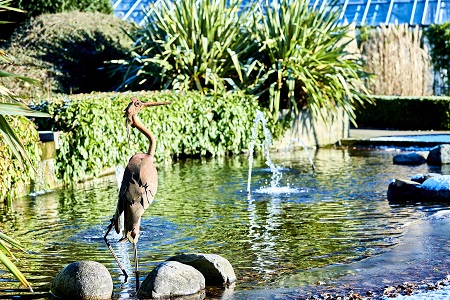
[417, 19]
[377, 13]
[430, 13]
[401, 13]
[354, 13]
[444, 13]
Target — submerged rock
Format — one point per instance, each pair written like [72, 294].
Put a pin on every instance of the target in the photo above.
[173, 279]
[216, 269]
[436, 188]
[402, 190]
[439, 155]
[411, 159]
[85, 280]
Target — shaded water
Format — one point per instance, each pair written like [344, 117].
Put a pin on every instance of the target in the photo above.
[335, 215]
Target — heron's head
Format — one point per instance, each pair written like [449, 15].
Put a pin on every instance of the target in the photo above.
[133, 109]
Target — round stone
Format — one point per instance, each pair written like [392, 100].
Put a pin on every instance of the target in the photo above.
[411, 159]
[216, 269]
[173, 279]
[86, 280]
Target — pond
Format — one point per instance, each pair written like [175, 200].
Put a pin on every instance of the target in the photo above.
[275, 238]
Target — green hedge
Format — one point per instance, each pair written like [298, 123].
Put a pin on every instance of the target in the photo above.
[193, 124]
[408, 113]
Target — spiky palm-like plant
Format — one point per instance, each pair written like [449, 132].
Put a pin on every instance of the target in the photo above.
[191, 44]
[306, 49]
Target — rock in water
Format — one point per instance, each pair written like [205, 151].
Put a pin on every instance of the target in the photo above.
[173, 279]
[436, 188]
[410, 159]
[85, 280]
[439, 155]
[216, 269]
[402, 190]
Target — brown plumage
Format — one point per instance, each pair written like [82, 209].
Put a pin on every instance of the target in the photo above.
[139, 185]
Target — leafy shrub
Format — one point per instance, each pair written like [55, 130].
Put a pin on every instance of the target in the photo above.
[15, 176]
[34, 8]
[438, 36]
[408, 113]
[39, 7]
[189, 44]
[193, 124]
[65, 52]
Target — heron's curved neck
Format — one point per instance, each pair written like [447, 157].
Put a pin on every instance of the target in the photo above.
[137, 124]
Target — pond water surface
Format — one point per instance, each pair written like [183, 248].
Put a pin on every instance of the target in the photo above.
[335, 215]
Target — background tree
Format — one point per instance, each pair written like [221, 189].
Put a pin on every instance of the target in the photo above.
[438, 36]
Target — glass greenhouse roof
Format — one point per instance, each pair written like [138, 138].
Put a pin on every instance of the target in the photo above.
[361, 12]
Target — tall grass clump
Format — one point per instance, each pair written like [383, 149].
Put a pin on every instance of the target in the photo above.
[189, 45]
[399, 60]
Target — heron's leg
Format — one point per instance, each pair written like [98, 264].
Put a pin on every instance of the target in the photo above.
[112, 251]
[136, 265]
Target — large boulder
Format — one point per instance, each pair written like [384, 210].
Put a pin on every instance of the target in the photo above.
[173, 279]
[402, 190]
[411, 159]
[85, 280]
[216, 269]
[436, 188]
[439, 155]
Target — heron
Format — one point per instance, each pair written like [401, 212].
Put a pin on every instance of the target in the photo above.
[138, 188]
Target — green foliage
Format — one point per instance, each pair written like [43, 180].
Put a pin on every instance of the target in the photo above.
[15, 175]
[39, 7]
[193, 124]
[191, 44]
[306, 50]
[402, 113]
[18, 137]
[438, 36]
[34, 8]
[65, 51]
[286, 51]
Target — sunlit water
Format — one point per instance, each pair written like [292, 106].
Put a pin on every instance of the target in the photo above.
[335, 215]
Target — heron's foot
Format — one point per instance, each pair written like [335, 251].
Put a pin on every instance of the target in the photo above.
[125, 275]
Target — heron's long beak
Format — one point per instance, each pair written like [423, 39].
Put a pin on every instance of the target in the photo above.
[145, 104]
